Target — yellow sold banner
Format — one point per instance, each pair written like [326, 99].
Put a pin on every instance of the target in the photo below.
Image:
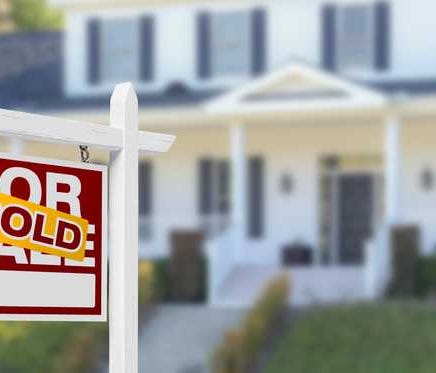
[31, 226]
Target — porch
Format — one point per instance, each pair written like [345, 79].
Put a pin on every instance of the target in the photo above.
[348, 264]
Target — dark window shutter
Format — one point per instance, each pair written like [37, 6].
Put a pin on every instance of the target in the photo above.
[382, 35]
[256, 196]
[146, 54]
[205, 186]
[203, 46]
[224, 187]
[145, 188]
[258, 41]
[328, 38]
[93, 35]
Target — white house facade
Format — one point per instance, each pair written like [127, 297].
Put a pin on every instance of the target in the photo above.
[302, 123]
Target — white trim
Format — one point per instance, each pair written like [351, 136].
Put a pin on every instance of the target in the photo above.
[56, 130]
[357, 96]
[238, 179]
[392, 169]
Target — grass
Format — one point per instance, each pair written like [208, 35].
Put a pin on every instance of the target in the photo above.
[49, 347]
[381, 338]
[44, 347]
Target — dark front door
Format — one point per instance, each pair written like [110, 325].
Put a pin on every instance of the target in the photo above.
[356, 207]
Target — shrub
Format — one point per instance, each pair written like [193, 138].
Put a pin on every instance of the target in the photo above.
[426, 276]
[186, 266]
[146, 291]
[225, 358]
[164, 281]
[240, 347]
[405, 248]
[161, 280]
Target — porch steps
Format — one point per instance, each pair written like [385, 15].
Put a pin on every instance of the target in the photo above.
[310, 285]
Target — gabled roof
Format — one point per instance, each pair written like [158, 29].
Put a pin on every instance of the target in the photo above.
[296, 87]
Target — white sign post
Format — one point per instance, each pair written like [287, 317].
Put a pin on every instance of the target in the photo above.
[123, 207]
[123, 140]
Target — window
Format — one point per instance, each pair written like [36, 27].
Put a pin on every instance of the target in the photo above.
[256, 190]
[145, 191]
[214, 194]
[355, 37]
[231, 51]
[119, 49]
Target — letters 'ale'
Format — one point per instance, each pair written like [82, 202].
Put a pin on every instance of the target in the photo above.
[53, 240]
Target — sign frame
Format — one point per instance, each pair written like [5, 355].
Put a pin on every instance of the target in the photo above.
[123, 140]
[102, 317]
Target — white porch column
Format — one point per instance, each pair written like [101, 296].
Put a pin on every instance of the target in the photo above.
[392, 169]
[16, 145]
[238, 187]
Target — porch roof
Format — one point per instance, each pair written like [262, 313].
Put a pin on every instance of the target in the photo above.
[296, 88]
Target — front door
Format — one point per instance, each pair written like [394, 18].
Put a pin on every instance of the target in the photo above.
[355, 216]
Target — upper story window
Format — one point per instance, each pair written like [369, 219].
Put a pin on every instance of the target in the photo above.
[231, 43]
[356, 37]
[119, 44]
[120, 48]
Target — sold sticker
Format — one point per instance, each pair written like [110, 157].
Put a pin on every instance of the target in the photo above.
[35, 227]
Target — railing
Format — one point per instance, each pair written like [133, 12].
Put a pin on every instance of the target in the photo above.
[378, 264]
[221, 255]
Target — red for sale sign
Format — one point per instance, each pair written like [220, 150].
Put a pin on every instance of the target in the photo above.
[52, 240]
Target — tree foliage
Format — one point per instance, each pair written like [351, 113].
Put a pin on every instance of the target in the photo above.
[35, 15]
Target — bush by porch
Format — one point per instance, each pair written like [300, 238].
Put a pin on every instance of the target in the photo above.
[241, 348]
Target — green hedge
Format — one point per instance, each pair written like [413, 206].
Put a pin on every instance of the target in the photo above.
[146, 285]
[405, 252]
[425, 282]
[163, 282]
[241, 346]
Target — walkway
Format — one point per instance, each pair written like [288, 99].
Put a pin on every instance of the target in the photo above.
[180, 338]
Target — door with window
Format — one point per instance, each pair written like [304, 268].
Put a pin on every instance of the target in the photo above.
[351, 207]
[355, 216]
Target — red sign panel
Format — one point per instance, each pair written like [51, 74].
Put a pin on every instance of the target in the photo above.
[35, 285]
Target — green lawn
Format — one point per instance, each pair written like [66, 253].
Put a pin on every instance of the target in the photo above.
[49, 347]
[384, 338]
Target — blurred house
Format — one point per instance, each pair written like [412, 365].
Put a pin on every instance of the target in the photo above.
[306, 128]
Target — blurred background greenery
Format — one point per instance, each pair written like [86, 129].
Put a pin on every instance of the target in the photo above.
[29, 15]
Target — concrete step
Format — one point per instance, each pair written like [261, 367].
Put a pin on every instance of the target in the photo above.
[309, 285]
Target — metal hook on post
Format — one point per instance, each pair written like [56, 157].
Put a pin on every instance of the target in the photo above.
[84, 153]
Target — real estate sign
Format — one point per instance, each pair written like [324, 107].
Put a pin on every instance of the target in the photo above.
[53, 240]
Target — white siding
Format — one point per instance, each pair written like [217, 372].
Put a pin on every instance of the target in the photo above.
[417, 205]
[294, 33]
[291, 150]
